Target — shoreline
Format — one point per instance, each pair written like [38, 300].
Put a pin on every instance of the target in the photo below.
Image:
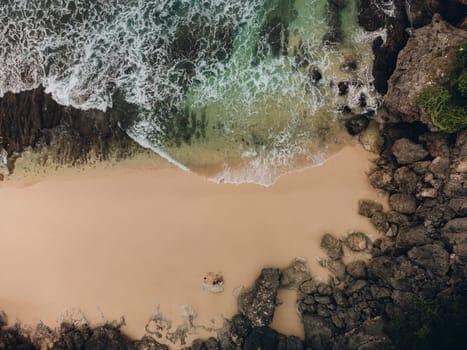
[157, 189]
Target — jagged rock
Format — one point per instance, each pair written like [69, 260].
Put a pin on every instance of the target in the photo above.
[371, 138]
[436, 143]
[380, 221]
[455, 231]
[356, 286]
[332, 246]
[397, 218]
[369, 336]
[356, 124]
[431, 257]
[336, 267]
[403, 203]
[382, 179]
[420, 167]
[440, 167]
[308, 287]
[240, 326]
[318, 332]
[412, 236]
[258, 304]
[409, 80]
[406, 180]
[357, 269]
[294, 275]
[3, 319]
[358, 241]
[265, 338]
[459, 205]
[368, 208]
[407, 152]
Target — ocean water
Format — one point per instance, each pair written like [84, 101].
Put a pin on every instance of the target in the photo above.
[239, 90]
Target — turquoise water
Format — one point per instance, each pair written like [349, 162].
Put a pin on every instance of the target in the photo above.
[225, 88]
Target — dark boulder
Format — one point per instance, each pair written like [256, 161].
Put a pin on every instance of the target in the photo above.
[407, 152]
[332, 246]
[403, 203]
[357, 124]
[318, 332]
[431, 257]
[412, 236]
[357, 269]
[258, 304]
[368, 208]
[406, 180]
[265, 338]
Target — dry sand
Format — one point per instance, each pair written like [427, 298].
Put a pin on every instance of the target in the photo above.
[120, 241]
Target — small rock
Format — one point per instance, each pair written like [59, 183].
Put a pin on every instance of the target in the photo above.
[439, 167]
[403, 203]
[421, 167]
[337, 267]
[3, 319]
[332, 246]
[407, 152]
[371, 138]
[380, 221]
[357, 124]
[397, 218]
[412, 236]
[308, 287]
[381, 179]
[294, 275]
[459, 205]
[357, 269]
[356, 286]
[406, 180]
[213, 282]
[358, 241]
[343, 87]
[368, 208]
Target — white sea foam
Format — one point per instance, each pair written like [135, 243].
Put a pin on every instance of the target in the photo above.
[83, 51]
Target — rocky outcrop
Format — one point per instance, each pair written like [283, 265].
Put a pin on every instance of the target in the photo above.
[259, 303]
[72, 136]
[430, 47]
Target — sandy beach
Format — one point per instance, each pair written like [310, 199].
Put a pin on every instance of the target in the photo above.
[117, 242]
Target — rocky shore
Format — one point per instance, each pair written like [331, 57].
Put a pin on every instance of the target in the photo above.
[419, 261]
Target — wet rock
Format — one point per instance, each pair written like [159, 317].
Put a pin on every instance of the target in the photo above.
[357, 269]
[315, 75]
[397, 218]
[258, 304]
[406, 180]
[358, 241]
[343, 88]
[431, 257]
[382, 179]
[403, 203]
[323, 289]
[371, 138]
[368, 208]
[294, 275]
[356, 124]
[349, 64]
[336, 267]
[3, 319]
[380, 221]
[318, 332]
[412, 236]
[407, 152]
[409, 80]
[308, 287]
[332, 246]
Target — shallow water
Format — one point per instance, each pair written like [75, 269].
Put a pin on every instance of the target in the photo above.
[226, 82]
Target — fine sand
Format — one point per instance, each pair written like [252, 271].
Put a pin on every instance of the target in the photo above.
[120, 241]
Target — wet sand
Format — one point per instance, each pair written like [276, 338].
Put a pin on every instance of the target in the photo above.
[120, 241]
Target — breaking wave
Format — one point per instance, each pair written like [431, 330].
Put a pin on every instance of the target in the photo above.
[244, 90]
